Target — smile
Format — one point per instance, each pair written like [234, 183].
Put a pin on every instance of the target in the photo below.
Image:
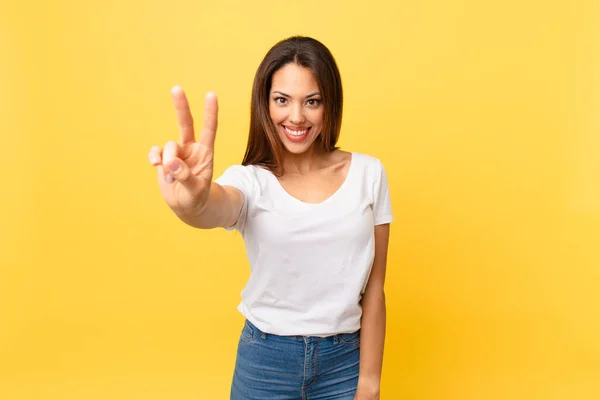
[295, 132]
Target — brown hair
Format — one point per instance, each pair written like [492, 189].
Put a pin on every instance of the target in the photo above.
[264, 145]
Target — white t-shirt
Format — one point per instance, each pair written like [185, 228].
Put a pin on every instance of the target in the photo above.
[309, 263]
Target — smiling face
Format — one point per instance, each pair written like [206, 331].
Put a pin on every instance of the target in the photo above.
[296, 107]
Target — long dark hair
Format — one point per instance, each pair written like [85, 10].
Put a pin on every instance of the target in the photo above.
[264, 145]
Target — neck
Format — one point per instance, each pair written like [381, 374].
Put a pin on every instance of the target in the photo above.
[304, 162]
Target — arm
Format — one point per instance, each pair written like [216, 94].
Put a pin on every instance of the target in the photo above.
[221, 210]
[373, 322]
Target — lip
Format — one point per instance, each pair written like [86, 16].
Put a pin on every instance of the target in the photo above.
[296, 139]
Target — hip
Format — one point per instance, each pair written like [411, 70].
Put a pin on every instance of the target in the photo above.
[296, 367]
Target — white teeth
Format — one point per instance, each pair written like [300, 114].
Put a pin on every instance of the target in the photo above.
[295, 133]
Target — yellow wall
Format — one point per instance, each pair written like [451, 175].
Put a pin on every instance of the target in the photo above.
[484, 113]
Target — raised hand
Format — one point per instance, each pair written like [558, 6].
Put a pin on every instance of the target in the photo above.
[185, 168]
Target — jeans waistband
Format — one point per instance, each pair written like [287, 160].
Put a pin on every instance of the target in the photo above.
[333, 338]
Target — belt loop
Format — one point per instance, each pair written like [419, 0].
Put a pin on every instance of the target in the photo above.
[263, 335]
[336, 339]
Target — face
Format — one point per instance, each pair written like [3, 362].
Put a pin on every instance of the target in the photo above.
[296, 107]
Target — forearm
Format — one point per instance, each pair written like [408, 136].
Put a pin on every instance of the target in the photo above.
[372, 340]
[221, 210]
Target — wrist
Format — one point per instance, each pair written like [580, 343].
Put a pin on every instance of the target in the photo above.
[370, 385]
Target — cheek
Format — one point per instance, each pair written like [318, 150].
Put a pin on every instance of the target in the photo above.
[317, 117]
[276, 114]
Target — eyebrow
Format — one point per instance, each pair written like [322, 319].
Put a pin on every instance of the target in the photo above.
[287, 95]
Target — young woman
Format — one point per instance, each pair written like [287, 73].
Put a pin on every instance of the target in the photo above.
[315, 221]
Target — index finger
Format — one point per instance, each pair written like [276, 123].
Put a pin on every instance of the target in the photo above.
[184, 115]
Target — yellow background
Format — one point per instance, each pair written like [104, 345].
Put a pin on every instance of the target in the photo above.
[486, 115]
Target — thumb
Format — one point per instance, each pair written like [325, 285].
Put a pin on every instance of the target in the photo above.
[177, 170]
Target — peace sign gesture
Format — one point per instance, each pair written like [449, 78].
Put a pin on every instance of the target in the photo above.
[185, 168]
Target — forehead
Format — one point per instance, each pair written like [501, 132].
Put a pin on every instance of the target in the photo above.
[292, 78]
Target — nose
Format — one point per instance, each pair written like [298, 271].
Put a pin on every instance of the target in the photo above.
[297, 114]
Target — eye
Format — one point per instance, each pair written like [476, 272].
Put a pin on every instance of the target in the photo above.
[280, 100]
[313, 102]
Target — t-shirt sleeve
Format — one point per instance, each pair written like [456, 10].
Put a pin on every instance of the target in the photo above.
[241, 178]
[382, 204]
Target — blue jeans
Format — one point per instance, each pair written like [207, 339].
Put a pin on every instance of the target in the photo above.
[271, 367]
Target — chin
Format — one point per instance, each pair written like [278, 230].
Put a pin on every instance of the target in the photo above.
[297, 148]
[297, 144]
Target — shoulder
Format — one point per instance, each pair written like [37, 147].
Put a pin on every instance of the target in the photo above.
[242, 170]
[243, 177]
[367, 162]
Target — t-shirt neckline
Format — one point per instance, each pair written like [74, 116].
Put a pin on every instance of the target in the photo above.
[328, 199]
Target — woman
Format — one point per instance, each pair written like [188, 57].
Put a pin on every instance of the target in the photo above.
[315, 221]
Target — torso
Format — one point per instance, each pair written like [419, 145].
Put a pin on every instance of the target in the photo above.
[310, 242]
[318, 185]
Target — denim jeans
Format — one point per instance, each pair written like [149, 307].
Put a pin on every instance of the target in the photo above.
[271, 367]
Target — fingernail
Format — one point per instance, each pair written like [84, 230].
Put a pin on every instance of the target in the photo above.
[169, 178]
[154, 159]
[174, 167]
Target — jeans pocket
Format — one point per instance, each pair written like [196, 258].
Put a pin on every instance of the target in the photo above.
[350, 338]
[249, 333]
